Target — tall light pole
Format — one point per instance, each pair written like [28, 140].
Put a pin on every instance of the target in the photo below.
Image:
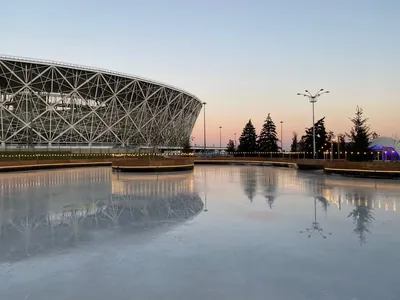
[220, 134]
[313, 99]
[204, 130]
[281, 136]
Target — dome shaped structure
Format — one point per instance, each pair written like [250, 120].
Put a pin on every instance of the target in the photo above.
[389, 147]
[44, 103]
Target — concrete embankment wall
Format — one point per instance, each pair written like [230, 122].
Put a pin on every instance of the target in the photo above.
[379, 169]
[152, 165]
[25, 165]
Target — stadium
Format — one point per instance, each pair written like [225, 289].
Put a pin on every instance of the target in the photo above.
[46, 104]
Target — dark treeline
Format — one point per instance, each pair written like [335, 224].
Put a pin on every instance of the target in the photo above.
[355, 143]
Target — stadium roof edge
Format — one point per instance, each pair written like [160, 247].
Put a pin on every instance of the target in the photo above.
[93, 69]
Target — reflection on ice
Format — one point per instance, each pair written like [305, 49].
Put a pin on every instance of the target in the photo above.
[249, 181]
[116, 238]
[39, 214]
[362, 215]
[274, 182]
[360, 196]
[270, 188]
[315, 225]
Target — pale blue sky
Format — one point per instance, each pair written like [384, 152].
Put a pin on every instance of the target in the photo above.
[244, 58]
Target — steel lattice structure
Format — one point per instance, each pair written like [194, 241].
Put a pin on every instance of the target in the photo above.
[49, 104]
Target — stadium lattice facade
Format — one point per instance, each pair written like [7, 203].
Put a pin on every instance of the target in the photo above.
[50, 104]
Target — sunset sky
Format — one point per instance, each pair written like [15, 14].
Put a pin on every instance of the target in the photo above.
[244, 58]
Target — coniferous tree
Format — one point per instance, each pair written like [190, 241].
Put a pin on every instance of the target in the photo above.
[302, 146]
[330, 136]
[321, 139]
[294, 147]
[248, 139]
[342, 143]
[374, 135]
[268, 140]
[359, 137]
[187, 145]
[331, 143]
[231, 146]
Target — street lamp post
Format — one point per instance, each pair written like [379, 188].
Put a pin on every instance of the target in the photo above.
[220, 134]
[281, 136]
[313, 99]
[204, 130]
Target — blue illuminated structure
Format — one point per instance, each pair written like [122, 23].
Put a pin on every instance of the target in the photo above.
[387, 148]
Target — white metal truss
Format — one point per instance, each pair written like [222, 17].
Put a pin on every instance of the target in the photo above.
[55, 104]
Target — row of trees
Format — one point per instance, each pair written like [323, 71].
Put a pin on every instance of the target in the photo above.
[356, 141]
[266, 141]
